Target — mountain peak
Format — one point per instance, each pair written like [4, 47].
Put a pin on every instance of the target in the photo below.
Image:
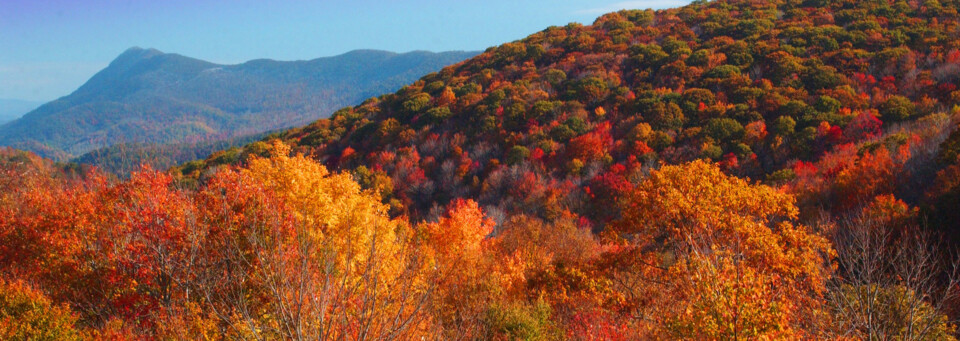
[137, 53]
[150, 96]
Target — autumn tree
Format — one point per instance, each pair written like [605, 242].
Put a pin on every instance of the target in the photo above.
[892, 280]
[711, 256]
[456, 246]
[28, 314]
[308, 254]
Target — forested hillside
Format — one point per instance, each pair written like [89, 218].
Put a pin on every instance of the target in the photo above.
[149, 97]
[122, 158]
[569, 117]
[725, 170]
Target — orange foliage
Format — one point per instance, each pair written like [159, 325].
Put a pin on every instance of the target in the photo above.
[725, 256]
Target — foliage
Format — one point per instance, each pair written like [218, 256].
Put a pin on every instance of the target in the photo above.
[551, 188]
[728, 254]
[26, 314]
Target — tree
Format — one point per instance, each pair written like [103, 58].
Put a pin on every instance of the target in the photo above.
[784, 126]
[892, 283]
[457, 249]
[27, 314]
[721, 257]
[309, 255]
[724, 129]
[896, 109]
[517, 154]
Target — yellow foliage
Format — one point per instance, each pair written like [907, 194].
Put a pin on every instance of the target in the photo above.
[322, 255]
[725, 247]
[335, 211]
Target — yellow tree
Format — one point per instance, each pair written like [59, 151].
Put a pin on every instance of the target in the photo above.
[296, 252]
[28, 314]
[706, 255]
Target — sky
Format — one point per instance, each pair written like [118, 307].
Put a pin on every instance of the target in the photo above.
[48, 48]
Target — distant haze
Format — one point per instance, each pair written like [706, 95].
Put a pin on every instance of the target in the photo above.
[48, 48]
[11, 109]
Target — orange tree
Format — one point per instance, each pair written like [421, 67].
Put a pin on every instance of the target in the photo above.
[704, 255]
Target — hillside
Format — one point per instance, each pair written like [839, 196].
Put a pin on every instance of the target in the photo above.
[725, 170]
[146, 96]
[122, 158]
[575, 112]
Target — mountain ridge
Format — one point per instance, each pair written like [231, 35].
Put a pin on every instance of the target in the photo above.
[148, 96]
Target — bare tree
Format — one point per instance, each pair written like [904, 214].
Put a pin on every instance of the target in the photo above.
[892, 282]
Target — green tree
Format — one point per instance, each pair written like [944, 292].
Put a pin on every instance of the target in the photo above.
[896, 108]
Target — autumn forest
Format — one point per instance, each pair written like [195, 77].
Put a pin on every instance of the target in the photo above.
[726, 170]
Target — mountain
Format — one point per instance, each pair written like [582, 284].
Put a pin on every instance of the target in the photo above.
[147, 96]
[11, 109]
[565, 118]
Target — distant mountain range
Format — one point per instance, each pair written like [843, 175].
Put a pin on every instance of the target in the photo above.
[11, 109]
[147, 96]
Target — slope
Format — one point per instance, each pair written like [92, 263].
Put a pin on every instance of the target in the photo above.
[567, 118]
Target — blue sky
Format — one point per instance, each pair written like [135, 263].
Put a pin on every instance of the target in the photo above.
[48, 48]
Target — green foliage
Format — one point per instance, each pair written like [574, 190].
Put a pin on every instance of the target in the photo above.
[647, 55]
[819, 76]
[522, 322]
[827, 104]
[438, 114]
[416, 103]
[576, 126]
[724, 129]
[781, 176]
[562, 133]
[950, 149]
[543, 109]
[665, 116]
[711, 152]
[641, 88]
[575, 166]
[896, 109]
[517, 154]
[784, 126]
[692, 98]
[723, 71]
[555, 77]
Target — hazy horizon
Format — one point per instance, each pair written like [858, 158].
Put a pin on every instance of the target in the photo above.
[52, 47]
